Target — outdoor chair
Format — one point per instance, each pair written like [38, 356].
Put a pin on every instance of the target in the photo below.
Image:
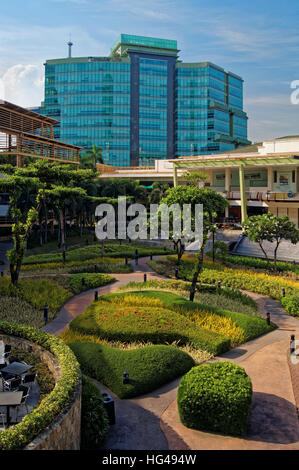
[25, 396]
[11, 385]
[28, 378]
[2, 416]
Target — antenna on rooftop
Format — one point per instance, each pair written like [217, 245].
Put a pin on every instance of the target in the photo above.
[70, 44]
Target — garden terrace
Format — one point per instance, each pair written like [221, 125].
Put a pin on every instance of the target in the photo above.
[24, 133]
[55, 423]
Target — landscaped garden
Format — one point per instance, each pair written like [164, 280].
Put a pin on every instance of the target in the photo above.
[24, 303]
[276, 287]
[126, 331]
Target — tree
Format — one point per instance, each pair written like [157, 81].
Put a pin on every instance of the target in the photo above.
[60, 197]
[22, 221]
[158, 192]
[213, 203]
[271, 228]
[91, 157]
[195, 178]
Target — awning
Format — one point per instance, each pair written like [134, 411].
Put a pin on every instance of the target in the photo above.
[249, 203]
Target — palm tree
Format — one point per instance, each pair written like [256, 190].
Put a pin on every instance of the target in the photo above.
[91, 157]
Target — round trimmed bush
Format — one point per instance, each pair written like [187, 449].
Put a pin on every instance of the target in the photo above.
[215, 397]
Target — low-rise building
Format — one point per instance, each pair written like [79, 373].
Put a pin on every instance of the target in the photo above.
[255, 179]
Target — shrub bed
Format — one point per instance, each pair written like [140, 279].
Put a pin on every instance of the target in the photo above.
[146, 324]
[94, 420]
[215, 397]
[291, 304]
[148, 368]
[212, 273]
[236, 326]
[256, 263]
[104, 265]
[94, 251]
[21, 434]
[91, 281]
[37, 293]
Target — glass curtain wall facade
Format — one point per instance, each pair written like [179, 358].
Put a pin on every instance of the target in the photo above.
[141, 104]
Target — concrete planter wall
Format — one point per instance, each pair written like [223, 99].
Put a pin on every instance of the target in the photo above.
[65, 431]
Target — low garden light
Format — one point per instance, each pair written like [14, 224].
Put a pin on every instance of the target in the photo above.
[219, 284]
[126, 378]
[176, 272]
[283, 292]
[292, 344]
[144, 278]
[126, 260]
[96, 295]
[46, 313]
[268, 319]
[151, 256]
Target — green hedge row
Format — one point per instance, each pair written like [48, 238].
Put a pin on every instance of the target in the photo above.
[21, 434]
[94, 421]
[256, 263]
[215, 397]
[148, 367]
[95, 251]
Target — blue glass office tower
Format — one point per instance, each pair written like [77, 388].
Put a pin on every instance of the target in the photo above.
[141, 103]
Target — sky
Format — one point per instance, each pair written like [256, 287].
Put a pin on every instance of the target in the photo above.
[258, 40]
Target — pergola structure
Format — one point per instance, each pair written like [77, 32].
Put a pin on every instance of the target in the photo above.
[228, 162]
[24, 133]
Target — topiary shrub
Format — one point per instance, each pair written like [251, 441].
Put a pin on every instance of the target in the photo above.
[94, 420]
[215, 397]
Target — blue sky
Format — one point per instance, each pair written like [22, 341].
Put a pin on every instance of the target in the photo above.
[258, 40]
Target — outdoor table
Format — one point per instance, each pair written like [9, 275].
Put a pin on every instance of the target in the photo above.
[16, 368]
[10, 399]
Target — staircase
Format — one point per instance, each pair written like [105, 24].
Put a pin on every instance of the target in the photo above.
[286, 251]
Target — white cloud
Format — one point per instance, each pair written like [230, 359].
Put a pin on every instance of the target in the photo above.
[23, 84]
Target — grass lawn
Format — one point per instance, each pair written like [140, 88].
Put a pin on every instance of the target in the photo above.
[148, 368]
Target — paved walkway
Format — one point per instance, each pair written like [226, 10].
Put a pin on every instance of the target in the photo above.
[151, 422]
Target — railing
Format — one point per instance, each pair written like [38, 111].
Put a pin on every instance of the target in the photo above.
[262, 196]
[13, 143]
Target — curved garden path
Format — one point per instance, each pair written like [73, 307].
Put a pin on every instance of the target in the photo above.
[151, 422]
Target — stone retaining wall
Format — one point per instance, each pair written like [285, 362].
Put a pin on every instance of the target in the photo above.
[65, 431]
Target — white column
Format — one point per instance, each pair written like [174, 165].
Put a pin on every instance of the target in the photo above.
[227, 179]
[270, 178]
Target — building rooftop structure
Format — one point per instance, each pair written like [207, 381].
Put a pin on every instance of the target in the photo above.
[25, 133]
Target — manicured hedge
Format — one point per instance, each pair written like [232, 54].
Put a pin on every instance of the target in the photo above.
[206, 316]
[291, 304]
[148, 367]
[215, 397]
[183, 286]
[37, 292]
[94, 251]
[255, 262]
[146, 324]
[91, 281]
[94, 419]
[21, 434]
[212, 273]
